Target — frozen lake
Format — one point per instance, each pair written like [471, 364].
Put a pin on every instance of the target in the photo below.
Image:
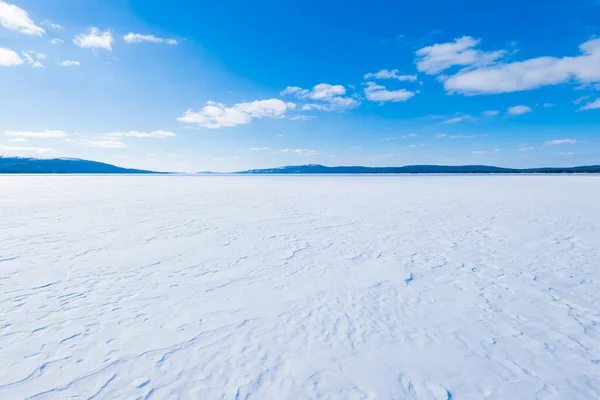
[300, 287]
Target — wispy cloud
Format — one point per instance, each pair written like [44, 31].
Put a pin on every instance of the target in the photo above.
[491, 113]
[457, 119]
[393, 74]
[24, 150]
[48, 134]
[160, 134]
[591, 106]
[108, 144]
[301, 152]
[68, 63]
[560, 141]
[139, 38]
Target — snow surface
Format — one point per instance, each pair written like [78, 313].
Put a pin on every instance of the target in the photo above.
[300, 287]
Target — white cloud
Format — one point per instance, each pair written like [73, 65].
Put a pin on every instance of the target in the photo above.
[29, 57]
[409, 135]
[94, 39]
[17, 19]
[259, 148]
[217, 115]
[139, 38]
[294, 90]
[457, 119]
[108, 144]
[68, 63]
[390, 138]
[9, 58]
[302, 117]
[331, 96]
[374, 92]
[526, 148]
[24, 150]
[18, 140]
[462, 136]
[393, 74]
[439, 57]
[519, 110]
[160, 134]
[529, 74]
[301, 152]
[485, 151]
[549, 105]
[56, 41]
[52, 25]
[580, 100]
[591, 106]
[41, 134]
[560, 141]
[491, 113]
[446, 136]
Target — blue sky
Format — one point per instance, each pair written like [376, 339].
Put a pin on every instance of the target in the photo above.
[231, 85]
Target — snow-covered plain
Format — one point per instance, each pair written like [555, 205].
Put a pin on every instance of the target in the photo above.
[300, 287]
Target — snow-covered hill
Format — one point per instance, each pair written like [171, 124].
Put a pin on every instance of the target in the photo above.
[303, 287]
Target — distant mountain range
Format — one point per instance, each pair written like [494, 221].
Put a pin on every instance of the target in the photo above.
[418, 169]
[22, 165]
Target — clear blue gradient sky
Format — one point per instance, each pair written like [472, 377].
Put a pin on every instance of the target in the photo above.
[185, 85]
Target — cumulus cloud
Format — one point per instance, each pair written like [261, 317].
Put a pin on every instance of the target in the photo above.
[378, 93]
[393, 74]
[548, 105]
[24, 150]
[519, 110]
[591, 106]
[160, 134]
[218, 115]
[560, 141]
[259, 148]
[9, 58]
[56, 41]
[491, 113]
[529, 74]
[139, 38]
[439, 57]
[108, 144]
[409, 136]
[94, 39]
[331, 97]
[18, 140]
[15, 18]
[301, 152]
[48, 134]
[68, 63]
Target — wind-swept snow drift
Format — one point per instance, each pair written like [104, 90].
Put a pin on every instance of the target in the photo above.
[269, 287]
